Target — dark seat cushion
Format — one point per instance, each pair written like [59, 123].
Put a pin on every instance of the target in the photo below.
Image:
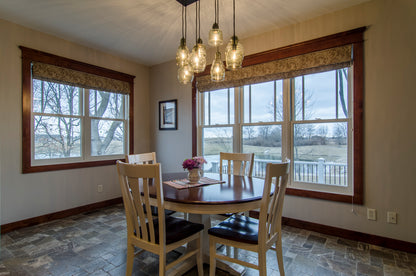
[155, 211]
[177, 229]
[237, 228]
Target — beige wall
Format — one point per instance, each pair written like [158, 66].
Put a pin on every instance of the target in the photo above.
[30, 195]
[390, 98]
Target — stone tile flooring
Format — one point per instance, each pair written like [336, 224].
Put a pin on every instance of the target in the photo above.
[94, 243]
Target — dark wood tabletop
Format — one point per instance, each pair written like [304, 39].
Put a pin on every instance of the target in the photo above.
[236, 189]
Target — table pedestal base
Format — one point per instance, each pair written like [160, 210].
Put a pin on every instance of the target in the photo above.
[232, 268]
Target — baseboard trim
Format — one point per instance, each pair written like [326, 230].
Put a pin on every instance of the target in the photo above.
[58, 215]
[347, 234]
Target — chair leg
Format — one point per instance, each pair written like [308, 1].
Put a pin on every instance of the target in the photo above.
[130, 259]
[212, 259]
[262, 262]
[199, 263]
[279, 255]
[162, 264]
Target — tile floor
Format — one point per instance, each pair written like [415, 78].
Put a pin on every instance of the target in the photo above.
[94, 243]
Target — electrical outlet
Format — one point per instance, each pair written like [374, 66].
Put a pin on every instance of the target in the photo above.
[100, 188]
[392, 217]
[371, 214]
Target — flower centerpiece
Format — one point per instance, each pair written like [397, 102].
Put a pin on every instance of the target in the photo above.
[194, 166]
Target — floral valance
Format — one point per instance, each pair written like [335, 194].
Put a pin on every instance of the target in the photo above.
[319, 61]
[48, 72]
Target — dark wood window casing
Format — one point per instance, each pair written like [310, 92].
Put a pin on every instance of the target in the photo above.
[28, 57]
[354, 37]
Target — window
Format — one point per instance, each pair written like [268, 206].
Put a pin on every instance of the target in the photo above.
[75, 115]
[313, 117]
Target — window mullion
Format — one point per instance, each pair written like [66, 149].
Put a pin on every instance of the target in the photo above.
[86, 124]
[237, 121]
[286, 124]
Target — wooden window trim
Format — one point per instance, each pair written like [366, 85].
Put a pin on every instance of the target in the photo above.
[354, 37]
[30, 55]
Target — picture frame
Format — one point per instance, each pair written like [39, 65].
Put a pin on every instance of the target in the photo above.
[168, 115]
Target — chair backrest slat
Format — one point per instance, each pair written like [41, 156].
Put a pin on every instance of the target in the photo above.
[237, 163]
[272, 206]
[137, 181]
[141, 158]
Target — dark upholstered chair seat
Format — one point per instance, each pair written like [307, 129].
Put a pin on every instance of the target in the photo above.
[154, 211]
[177, 229]
[237, 228]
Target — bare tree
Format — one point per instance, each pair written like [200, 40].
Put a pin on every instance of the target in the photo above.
[62, 132]
[105, 102]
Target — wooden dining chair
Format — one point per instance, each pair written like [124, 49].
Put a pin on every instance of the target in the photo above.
[158, 235]
[251, 234]
[146, 158]
[237, 163]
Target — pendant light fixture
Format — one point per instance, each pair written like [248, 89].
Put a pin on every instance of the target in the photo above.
[217, 68]
[198, 58]
[215, 34]
[234, 52]
[185, 71]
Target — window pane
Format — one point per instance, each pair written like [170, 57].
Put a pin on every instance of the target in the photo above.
[279, 100]
[298, 105]
[246, 107]
[206, 96]
[321, 153]
[266, 144]
[56, 137]
[214, 141]
[318, 99]
[219, 106]
[262, 102]
[54, 98]
[107, 137]
[106, 104]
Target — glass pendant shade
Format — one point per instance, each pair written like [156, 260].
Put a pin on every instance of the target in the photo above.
[185, 74]
[215, 36]
[217, 68]
[198, 58]
[234, 54]
[182, 54]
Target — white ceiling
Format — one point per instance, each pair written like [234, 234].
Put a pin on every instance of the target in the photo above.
[148, 31]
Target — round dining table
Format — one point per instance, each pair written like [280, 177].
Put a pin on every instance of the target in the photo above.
[236, 194]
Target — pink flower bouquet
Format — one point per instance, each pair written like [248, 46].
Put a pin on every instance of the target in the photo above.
[194, 163]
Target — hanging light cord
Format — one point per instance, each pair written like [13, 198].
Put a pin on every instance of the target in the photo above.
[199, 18]
[234, 44]
[185, 22]
[218, 12]
[182, 21]
[196, 21]
[234, 17]
[216, 4]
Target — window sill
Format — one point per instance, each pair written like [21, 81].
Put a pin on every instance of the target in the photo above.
[33, 169]
[326, 196]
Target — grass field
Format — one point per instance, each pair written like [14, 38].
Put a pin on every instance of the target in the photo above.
[331, 153]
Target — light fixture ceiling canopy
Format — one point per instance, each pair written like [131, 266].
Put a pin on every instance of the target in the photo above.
[186, 2]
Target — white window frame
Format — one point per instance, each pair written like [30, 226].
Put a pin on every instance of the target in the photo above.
[287, 126]
[85, 128]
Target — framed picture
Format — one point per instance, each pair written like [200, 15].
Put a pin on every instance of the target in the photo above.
[168, 115]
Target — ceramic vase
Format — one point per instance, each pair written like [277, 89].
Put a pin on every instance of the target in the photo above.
[194, 175]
